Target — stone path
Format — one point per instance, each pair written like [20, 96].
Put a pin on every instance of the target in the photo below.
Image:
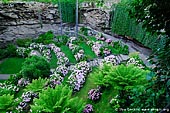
[4, 76]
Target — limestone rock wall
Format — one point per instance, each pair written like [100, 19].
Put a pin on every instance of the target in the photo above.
[20, 20]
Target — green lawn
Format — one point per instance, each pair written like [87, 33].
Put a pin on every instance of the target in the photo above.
[92, 38]
[53, 61]
[1, 81]
[11, 65]
[68, 53]
[88, 51]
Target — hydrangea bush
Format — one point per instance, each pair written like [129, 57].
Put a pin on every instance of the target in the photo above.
[88, 108]
[94, 94]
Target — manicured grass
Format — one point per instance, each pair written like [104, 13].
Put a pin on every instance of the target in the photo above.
[11, 65]
[83, 93]
[92, 38]
[68, 53]
[53, 62]
[88, 51]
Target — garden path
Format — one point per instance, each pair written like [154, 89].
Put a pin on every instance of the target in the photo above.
[144, 52]
[4, 76]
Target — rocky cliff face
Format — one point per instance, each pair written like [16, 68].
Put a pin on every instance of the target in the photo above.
[21, 19]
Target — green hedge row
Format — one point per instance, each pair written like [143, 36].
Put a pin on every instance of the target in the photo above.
[122, 24]
[68, 12]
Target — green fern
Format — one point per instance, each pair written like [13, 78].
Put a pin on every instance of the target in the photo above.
[57, 100]
[37, 85]
[120, 77]
[6, 102]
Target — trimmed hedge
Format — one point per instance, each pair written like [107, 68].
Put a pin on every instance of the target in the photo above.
[122, 24]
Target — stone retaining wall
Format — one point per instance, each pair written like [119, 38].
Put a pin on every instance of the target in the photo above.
[21, 20]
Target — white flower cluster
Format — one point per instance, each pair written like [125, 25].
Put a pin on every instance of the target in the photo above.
[43, 49]
[27, 97]
[79, 55]
[77, 51]
[110, 59]
[95, 46]
[62, 70]
[55, 79]
[77, 77]
[71, 39]
[10, 87]
[62, 59]
[21, 51]
[23, 82]
[135, 62]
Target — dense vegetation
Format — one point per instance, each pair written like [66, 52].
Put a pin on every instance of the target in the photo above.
[148, 22]
[59, 73]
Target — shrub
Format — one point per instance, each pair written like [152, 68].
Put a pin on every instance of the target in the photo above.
[57, 100]
[35, 67]
[61, 40]
[45, 38]
[24, 42]
[3, 54]
[11, 50]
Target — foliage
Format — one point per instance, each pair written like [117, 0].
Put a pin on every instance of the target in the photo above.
[6, 102]
[37, 85]
[84, 31]
[9, 51]
[88, 51]
[119, 48]
[3, 54]
[122, 24]
[120, 77]
[24, 42]
[154, 14]
[135, 60]
[61, 40]
[8, 89]
[68, 11]
[45, 38]
[162, 67]
[57, 100]
[35, 67]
